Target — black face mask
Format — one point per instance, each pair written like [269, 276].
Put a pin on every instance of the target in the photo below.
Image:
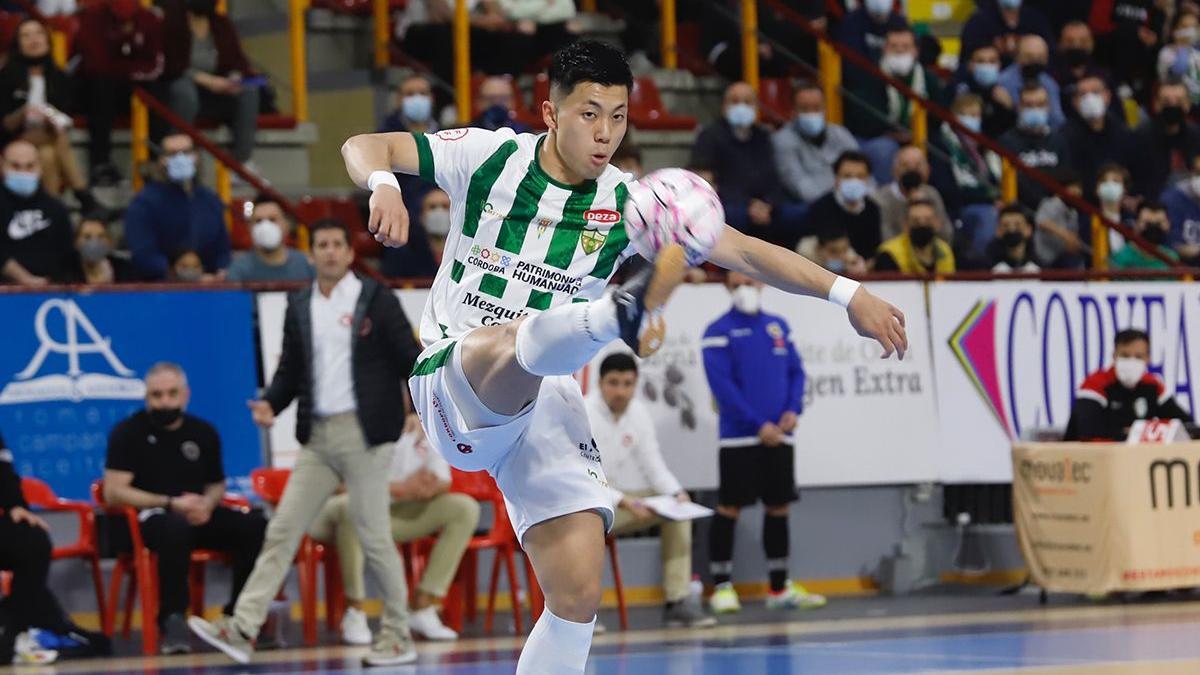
[165, 417]
[910, 180]
[31, 61]
[920, 235]
[202, 7]
[1075, 57]
[1013, 239]
[1171, 115]
[1155, 235]
[1031, 71]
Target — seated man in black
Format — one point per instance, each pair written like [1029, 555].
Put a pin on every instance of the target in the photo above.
[1111, 400]
[25, 551]
[168, 465]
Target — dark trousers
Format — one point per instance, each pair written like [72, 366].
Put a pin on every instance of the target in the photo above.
[25, 551]
[103, 100]
[173, 539]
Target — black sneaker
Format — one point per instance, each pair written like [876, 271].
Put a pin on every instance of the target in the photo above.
[644, 294]
[176, 638]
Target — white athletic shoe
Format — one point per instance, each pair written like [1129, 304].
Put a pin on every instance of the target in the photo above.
[390, 649]
[724, 599]
[427, 624]
[794, 596]
[355, 630]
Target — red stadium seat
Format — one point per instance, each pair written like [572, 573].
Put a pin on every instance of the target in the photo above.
[646, 109]
[690, 55]
[775, 97]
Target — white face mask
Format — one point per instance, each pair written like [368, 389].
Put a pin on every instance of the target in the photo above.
[1130, 371]
[899, 64]
[267, 234]
[436, 222]
[747, 299]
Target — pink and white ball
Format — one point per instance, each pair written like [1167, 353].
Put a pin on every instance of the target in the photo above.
[674, 206]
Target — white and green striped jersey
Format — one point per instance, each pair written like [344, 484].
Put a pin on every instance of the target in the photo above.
[520, 242]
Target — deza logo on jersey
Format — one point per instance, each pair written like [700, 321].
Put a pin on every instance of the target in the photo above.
[75, 384]
[602, 216]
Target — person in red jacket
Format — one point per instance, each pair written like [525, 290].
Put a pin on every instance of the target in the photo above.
[207, 74]
[120, 45]
[1111, 400]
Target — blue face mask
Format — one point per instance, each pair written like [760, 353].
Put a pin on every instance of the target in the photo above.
[853, 190]
[1033, 118]
[986, 74]
[970, 122]
[811, 124]
[181, 168]
[417, 108]
[740, 115]
[21, 183]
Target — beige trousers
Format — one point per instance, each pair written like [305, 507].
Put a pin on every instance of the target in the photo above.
[337, 453]
[455, 516]
[676, 547]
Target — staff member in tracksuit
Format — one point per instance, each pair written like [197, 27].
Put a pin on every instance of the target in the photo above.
[757, 380]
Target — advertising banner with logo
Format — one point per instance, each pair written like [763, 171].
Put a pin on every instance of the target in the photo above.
[72, 367]
[866, 421]
[1009, 357]
[271, 308]
[1096, 518]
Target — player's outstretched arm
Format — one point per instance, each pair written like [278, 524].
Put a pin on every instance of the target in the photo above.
[371, 160]
[791, 272]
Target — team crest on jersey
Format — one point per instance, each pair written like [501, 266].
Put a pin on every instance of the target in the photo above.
[451, 134]
[592, 240]
[543, 224]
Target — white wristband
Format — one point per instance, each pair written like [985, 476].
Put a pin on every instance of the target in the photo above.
[378, 178]
[843, 290]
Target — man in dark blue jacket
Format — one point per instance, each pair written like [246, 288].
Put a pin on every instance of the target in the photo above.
[176, 215]
[757, 380]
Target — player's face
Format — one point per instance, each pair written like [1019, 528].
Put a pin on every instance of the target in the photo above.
[588, 125]
[617, 387]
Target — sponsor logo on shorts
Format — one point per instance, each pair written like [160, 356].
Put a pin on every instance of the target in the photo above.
[437, 405]
[496, 313]
[452, 134]
[590, 452]
[465, 449]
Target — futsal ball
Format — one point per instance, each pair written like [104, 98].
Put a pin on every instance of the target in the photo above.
[673, 206]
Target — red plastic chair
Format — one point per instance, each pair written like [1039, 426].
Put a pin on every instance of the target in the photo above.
[776, 97]
[41, 497]
[269, 485]
[142, 566]
[646, 109]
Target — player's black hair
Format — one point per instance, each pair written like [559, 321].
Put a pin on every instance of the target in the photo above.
[619, 362]
[1130, 335]
[328, 224]
[588, 61]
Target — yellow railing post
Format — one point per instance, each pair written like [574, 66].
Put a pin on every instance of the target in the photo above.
[222, 6]
[920, 125]
[829, 65]
[670, 46]
[1099, 244]
[225, 192]
[299, 59]
[462, 61]
[750, 43]
[1008, 182]
[382, 20]
[588, 6]
[139, 139]
[58, 48]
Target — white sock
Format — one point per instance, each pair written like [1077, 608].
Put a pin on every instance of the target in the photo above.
[556, 646]
[562, 340]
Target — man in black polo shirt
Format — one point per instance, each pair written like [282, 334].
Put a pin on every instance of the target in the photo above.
[1111, 400]
[167, 464]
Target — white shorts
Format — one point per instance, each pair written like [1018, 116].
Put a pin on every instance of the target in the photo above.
[543, 458]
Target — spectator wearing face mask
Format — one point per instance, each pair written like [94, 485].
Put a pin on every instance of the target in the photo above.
[414, 108]
[865, 28]
[1059, 238]
[496, 100]
[422, 255]
[1115, 202]
[1001, 23]
[1182, 202]
[272, 259]
[186, 267]
[1112, 399]
[100, 264]
[918, 250]
[1166, 144]
[738, 150]
[1095, 138]
[848, 204]
[806, 149]
[832, 250]
[1033, 143]
[1012, 250]
[966, 173]
[981, 77]
[1075, 60]
[176, 213]
[911, 170]
[1180, 59]
[36, 243]
[878, 138]
[1153, 226]
[1033, 56]
[1127, 34]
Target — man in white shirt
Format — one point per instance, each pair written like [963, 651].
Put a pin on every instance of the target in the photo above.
[422, 504]
[624, 433]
